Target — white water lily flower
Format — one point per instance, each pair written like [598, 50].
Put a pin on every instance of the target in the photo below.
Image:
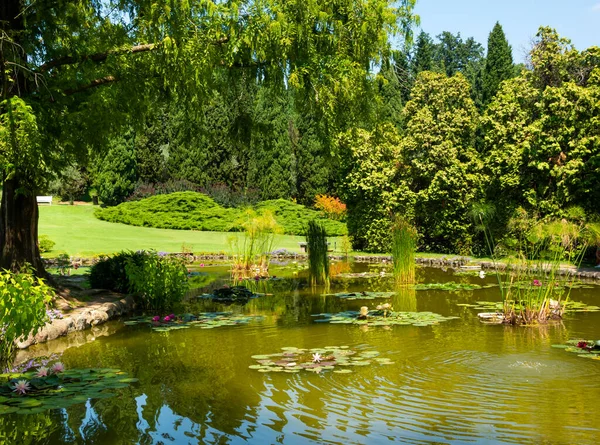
[21, 387]
[317, 358]
[42, 372]
[57, 367]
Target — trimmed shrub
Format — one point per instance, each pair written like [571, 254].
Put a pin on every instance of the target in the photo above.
[45, 243]
[196, 211]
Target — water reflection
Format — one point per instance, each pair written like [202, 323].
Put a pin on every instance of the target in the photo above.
[460, 381]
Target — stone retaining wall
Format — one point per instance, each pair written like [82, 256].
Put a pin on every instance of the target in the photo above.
[110, 306]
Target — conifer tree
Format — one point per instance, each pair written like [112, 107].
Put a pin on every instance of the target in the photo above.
[498, 63]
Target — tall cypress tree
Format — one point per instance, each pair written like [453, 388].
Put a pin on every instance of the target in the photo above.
[498, 63]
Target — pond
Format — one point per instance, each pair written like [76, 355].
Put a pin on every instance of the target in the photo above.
[457, 381]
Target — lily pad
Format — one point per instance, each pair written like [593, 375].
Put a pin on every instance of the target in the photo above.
[203, 320]
[59, 390]
[451, 286]
[380, 318]
[317, 360]
[583, 348]
[361, 295]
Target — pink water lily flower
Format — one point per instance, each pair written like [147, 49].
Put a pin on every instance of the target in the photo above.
[156, 318]
[57, 368]
[42, 372]
[21, 387]
[172, 316]
[537, 283]
[167, 319]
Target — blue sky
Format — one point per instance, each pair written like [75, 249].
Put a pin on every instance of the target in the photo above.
[579, 20]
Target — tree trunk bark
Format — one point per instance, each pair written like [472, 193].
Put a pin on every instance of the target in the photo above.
[19, 228]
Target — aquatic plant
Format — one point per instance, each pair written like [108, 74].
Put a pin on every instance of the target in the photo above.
[404, 244]
[339, 359]
[203, 320]
[532, 289]
[364, 295]
[252, 252]
[158, 282]
[381, 317]
[451, 286]
[21, 387]
[318, 259]
[583, 348]
[33, 392]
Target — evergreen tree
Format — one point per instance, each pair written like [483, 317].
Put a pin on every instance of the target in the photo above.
[270, 164]
[423, 59]
[151, 148]
[498, 63]
[391, 92]
[117, 174]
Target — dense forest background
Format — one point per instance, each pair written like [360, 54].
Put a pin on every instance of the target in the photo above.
[447, 127]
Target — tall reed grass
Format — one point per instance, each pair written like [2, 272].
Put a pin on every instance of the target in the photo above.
[318, 259]
[404, 244]
[252, 252]
[532, 286]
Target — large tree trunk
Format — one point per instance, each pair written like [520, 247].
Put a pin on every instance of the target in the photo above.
[19, 228]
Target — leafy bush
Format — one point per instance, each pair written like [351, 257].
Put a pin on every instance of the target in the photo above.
[45, 244]
[331, 206]
[109, 272]
[23, 302]
[196, 211]
[158, 280]
[294, 218]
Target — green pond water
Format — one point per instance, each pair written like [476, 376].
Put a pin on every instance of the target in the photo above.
[456, 382]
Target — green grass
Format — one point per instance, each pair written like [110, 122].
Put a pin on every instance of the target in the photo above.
[77, 232]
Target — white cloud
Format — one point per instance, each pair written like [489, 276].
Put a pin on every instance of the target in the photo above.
[596, 7]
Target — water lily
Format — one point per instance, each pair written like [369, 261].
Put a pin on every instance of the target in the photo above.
[316, 358]
[167, 319]
[172, 316]
[537, 283]
[482, 274]
[201, 264]
[156, 318]
[42, 372]
[21, 387]
[582, 344]
[57, 368]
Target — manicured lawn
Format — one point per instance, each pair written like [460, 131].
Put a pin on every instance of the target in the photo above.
[78, 233]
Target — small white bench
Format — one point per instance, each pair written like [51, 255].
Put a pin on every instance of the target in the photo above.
[44, 199]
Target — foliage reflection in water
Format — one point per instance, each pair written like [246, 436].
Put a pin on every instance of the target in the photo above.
[454, 382]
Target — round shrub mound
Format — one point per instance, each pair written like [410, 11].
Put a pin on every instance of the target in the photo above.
[197, 211]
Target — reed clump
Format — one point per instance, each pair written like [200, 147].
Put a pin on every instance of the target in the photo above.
[533, 288]
[404, 244]
[252, 251]
[318, 259]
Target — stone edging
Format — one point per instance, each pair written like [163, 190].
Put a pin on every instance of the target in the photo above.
[80, 319]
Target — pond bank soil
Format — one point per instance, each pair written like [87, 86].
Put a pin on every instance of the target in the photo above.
[82, 309]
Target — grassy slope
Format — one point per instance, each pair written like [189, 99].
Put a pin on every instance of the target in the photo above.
[77, 232]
